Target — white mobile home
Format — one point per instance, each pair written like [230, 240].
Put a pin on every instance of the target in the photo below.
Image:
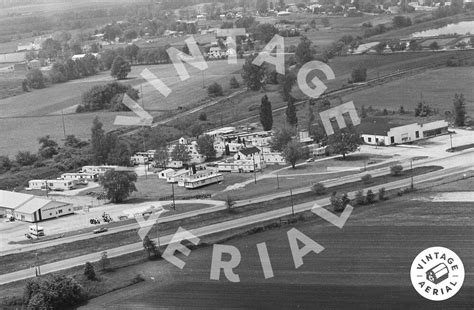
[98, 169]
[80, 177]
[37, 184]
[61, 185]
[164, 174]
[203, 180]
[180, 174]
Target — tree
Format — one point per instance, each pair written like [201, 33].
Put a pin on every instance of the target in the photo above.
[370, 196]
[161, 157]
[311, 118]
[359, 198]
[286, 83]
[107, 58]
[234, 83]
[290, 112]
[35, 79]
[202, 116]
[150, 246]
[382, 194]
[253, 75]
[118, 152]
[205, 145]
[363, 112]
[215, 90]
[266, 114]
[97, 141]
[120, 68]
[344, 141]
[337, 203]
[401, 21]
[303, 53]
[359, 74]
[118, 184]
[396, 170]
[5, 164]
[264, 32]
[434, 46]
[89, 271]
[25, 158]
[280, 139]
[104, 261]
[180, 153]
[366, 179]
[48, 147]
[293, 152]
[53, 292]
[195, 130]
[262, 6]
[459, 110]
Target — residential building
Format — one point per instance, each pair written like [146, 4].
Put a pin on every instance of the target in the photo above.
[248, 153]
[98, 169]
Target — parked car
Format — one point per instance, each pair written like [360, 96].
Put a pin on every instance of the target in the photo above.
[100, 230]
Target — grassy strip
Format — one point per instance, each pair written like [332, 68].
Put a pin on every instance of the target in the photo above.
[461, 148]
[14, 262]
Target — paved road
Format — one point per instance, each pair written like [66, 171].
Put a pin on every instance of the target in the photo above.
[224, 226]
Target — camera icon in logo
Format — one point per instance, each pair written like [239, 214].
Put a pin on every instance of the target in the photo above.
[438, 273]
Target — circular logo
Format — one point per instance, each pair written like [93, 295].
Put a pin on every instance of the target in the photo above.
[437, 273]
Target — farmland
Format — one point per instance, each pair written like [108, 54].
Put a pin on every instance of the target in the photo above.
[38, 113]
[436, 88]
[364, 265]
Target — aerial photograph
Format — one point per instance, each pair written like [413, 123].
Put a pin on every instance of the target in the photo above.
[236, 154]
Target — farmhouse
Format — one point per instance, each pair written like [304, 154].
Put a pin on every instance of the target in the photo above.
[384, 134]
[30, 208]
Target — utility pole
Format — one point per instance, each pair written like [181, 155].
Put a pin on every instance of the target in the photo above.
[174, 204]
[37, 265]
[451, 140]
[292, 204]
[64, 124]
[254, 170]
[278, 182]
[202, 75]
[411, 169]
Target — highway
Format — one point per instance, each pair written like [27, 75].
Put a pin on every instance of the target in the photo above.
[232, 224]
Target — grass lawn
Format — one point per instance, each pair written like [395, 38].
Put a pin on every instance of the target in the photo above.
[435, 87]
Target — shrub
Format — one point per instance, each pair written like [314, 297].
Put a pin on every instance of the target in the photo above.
[367, 179]
[89, 271]
[396, 170]
[215, 90]
[319, 189]
[359, 198]
[345, 200]
[203, 116]
[234, 83]
[337, 203]
[382, 194]
[370, 196]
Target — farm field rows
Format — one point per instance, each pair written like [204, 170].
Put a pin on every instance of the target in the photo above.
[364, 265]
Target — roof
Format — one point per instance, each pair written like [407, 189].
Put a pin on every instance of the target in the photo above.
[250, 151]
[166, 171]
[12, 200]
[36, 203]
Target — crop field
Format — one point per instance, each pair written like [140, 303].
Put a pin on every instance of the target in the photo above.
[364, 265]
[436, 88]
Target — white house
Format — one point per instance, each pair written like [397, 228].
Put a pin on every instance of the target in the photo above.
[240, 166]
[248, 153]
[387, 135]
[191, 148]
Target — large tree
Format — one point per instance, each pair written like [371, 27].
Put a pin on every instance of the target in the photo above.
[266, 116]
[285, 84]
[118, 184]
[253, 75]
[180, 153]
[161, 157]
[280, 139]
[35, 78]
[344, 141]
[205, 144]
[459, 110]
[290, 112]
[150, 246]
[264, 32]
[359, 74]
[120, 68]
[97, 141]
[292, 152]
[304, 53]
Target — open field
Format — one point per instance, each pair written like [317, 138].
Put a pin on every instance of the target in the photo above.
[25, 117]
[365, 265]
[436, 88]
